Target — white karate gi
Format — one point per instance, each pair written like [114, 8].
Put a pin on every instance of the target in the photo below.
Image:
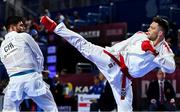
[138, 62]
[23, 60]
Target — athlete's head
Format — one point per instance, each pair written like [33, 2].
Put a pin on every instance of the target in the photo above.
[15, 23]
[158, 26]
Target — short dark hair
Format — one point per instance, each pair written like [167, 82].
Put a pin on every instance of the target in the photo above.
[162, 23]
[12, 20]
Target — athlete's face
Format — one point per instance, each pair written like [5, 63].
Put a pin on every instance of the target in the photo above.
[20, 27]
[153, 31]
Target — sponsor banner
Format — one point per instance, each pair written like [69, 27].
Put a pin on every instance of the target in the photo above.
[80, 82]
[104, 32]
[84, 102]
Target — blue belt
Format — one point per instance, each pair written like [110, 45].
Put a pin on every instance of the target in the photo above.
[23, 73]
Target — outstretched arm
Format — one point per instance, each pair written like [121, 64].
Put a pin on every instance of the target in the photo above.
[165, 59]
[166, 63]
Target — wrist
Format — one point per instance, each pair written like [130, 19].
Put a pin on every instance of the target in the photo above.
[155, 53]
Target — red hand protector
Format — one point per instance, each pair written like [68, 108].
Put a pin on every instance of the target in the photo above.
[146, 46]
[48, 23]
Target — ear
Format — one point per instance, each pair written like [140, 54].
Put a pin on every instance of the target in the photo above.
[160, 33]
[11, 28]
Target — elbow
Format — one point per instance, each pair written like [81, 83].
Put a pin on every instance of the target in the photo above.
[171, 68]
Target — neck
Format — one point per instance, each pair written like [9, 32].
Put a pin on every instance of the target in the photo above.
[157, 41]
[161, 79]
[12, 29]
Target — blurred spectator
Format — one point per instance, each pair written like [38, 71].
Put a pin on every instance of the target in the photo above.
[161, 94]
[68, 22]
[3, 72]
[63, 71]
[28, 23]
[106, 102]
[35, 26]
[178, 49]
[77, 21]
[58, 93]
[102, 78]
[75, 15]
[4, 78]
[48, 80]
[3, 84]
[172, 37]
[47, 13]
[98, 87]
[2, 31]
[59, 18]
[34, 34]
[40, 40]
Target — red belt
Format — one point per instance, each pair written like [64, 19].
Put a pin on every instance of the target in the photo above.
[124, 70]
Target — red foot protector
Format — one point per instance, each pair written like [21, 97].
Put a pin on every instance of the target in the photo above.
[146, 46]
[48, 23]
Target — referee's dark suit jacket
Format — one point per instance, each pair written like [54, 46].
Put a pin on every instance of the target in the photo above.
[153, 91]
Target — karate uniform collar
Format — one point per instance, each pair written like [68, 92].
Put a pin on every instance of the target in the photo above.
[10, 33]
[157, 47]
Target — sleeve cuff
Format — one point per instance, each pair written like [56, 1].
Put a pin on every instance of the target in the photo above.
[59, 27]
